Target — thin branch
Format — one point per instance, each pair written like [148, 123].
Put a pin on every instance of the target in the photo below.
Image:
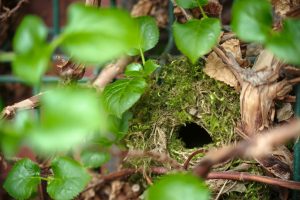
[242, 176]
[256, 147]
[110, 72]
[124, 173]
[12, 11]
[187, 162]
[30, 103]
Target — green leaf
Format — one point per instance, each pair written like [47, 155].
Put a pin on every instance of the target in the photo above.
[70, 178]
[32, 52]
[120, 95]
[191, 3]
[120, 126]
[149, 67]
[134, 69]
[95, 35]
[22, 179]
[69, 116]
[92, 159]
[149, 34]
[197, 37]
[178, 187]
[252, 20]
[286, 43]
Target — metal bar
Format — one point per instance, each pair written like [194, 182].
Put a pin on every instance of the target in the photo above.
[113, 3]
[56, 17]
[45, 79]
[170, 43]
[296, 177]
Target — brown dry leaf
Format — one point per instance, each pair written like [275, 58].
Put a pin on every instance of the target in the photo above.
[233, 46]
[285, 112]
[215, 68]
[156, 8]
[231, 186]
[282, 7]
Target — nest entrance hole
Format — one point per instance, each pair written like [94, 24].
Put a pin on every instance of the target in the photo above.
[193, 135]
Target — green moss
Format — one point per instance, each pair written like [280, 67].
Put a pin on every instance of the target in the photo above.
[178, 94]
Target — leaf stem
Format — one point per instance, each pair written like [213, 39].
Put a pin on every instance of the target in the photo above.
[142, 56]
[7, 56]
[202, 11]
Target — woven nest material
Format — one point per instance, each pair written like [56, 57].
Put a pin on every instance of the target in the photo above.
[180, 94]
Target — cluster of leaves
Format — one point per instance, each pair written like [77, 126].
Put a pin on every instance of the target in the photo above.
[68, 179]
[251, 21]
[72, 114]
[75, 115]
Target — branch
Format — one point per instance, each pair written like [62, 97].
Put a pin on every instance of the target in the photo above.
[256, 147]
[242, 176]
[30, 103]
[110, 72]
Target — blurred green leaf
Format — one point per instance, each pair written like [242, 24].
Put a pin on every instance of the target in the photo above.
[134, 69]
[196, 38]
[285, 44]
[22, 179]
[70, 178]
[149, 67]
[119, 126]
[191, 3]
[32, 52]
[120, 95]
[92, 159]
[94, 35]
[178, 187]
[69, 116]
[149, 34]
[252, 20]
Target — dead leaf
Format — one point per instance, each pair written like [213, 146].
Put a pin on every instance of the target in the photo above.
[285, 112]
[215, 68]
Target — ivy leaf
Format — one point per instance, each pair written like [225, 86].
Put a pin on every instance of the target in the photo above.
[252, 20]
[120, 95]
[197, 37]
[191, 3]
[32, 51]
[69, 116]
[70, 178]
[92, 159]
[178, 187]
[134, 69]
[149, 67]
[22, 179]
[286, 43]
[149, 34]
[97, 35]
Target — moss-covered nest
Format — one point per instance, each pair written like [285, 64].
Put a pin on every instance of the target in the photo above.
[180, 94]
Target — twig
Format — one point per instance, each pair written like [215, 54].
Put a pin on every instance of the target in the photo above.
[221, 190]
[124, 173]
[242, 176]
[187, 162]
[110, 72]
[12, 11]
[256, 147]
[30, 103]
